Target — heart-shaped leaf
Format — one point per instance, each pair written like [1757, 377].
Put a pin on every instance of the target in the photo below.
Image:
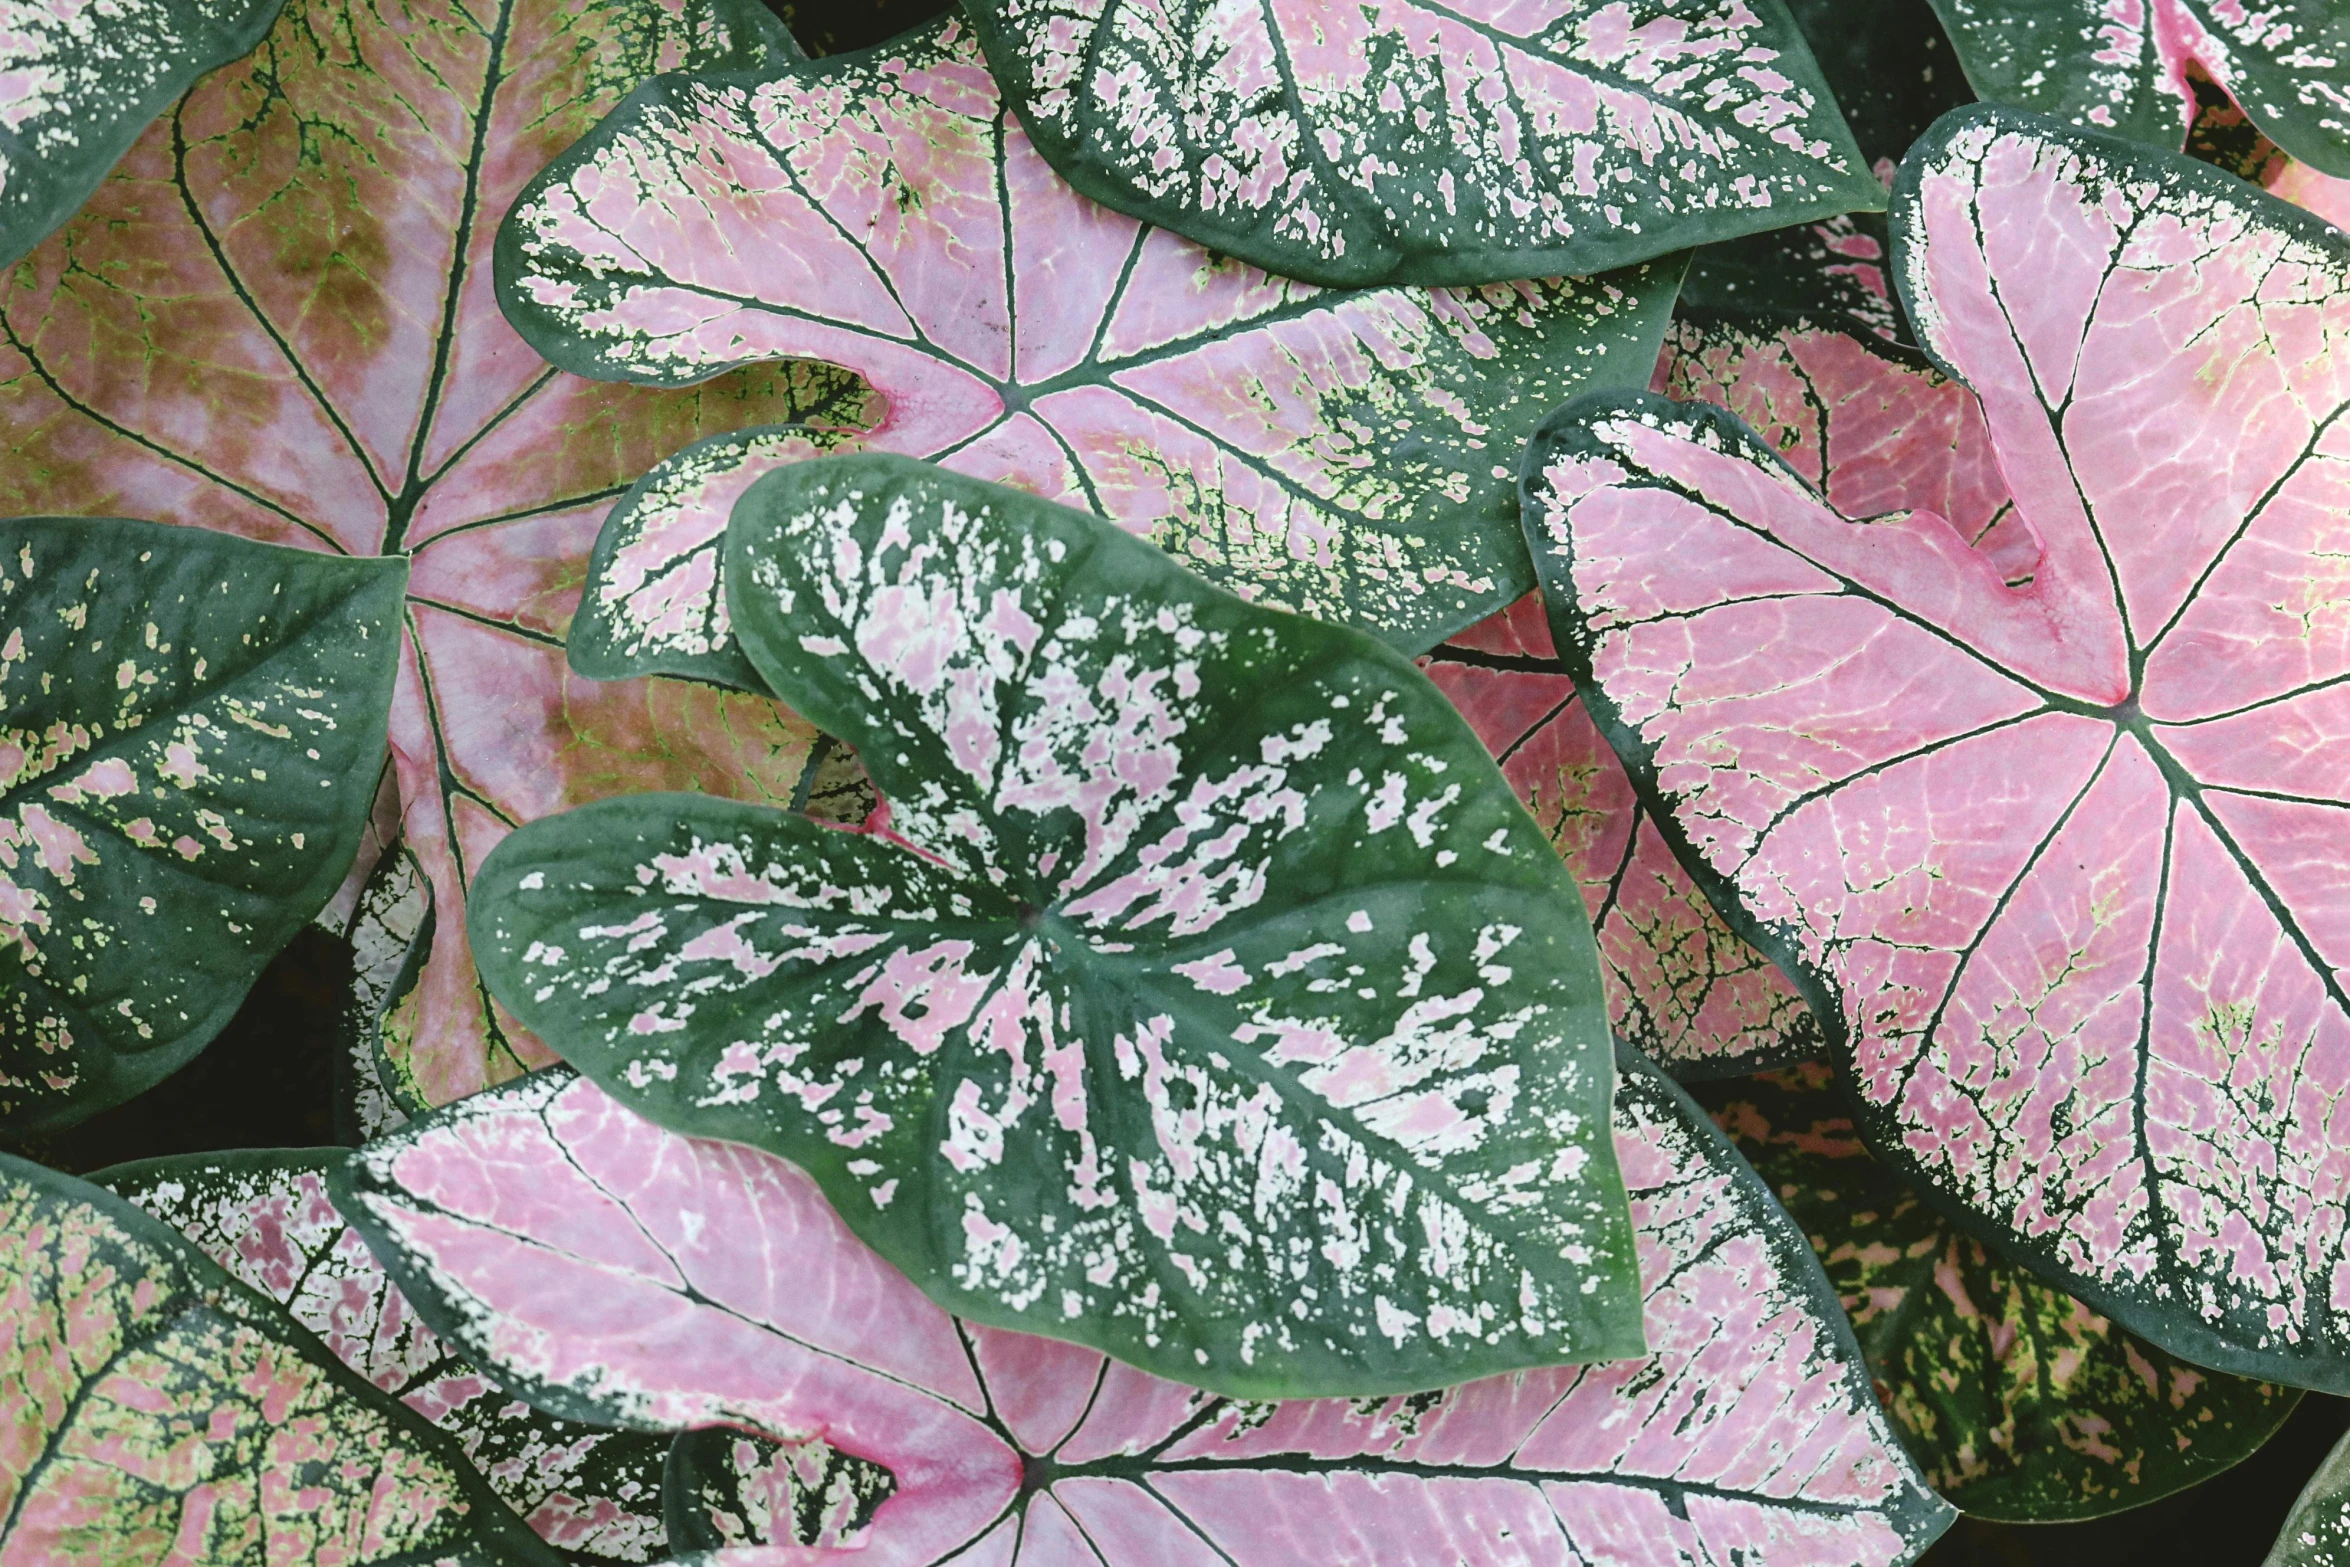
[610, 1266]
[2052, 861]
[1344, 455]
[158, 1410]
[2127, 68]
[1680, 988]
[79, 79]
[1432, 141]
[1210, 1001]
[2317, 1532]
[593, 1493]
[276, 318]
[2019, 1402]
[190, 726]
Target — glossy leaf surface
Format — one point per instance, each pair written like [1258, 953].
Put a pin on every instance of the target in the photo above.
[158, 1410]
[79, 79]
[2125, 68]
[2055, 862]
[1208, 1000]
[1455, 142]
[1680, 988]
[2317, 1531]
[1749, 1434]
[1346, 455]
[189, 729]
[594, 1494]
[276, 318]
[2019, 1402]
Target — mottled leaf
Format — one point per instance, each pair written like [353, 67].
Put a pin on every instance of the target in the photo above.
[2222, 134]
[2125, 67]
[2019, 1402]
[79, 79]
[1748, 1435]
[593, 1493]
[1345, 455]
[1691, 996]
[159, 1411]
[1832, 271]
[2317, 1531]
[1208, 999]
[189, 728]
[1432, 141]
[725, 1488]
[2056, 863]
[277, 318]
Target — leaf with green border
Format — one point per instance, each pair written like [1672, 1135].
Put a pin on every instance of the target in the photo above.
[159, 1410]
[725, 1488]
[265, 1216]
[1432, 141]
[2019, 1402]
[1208, 999]
[2128, 68]
[189, 727]
[80, 79]
[276, 318]
[1346, 455]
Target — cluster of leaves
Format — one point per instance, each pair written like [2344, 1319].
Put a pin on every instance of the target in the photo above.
[1041, 745]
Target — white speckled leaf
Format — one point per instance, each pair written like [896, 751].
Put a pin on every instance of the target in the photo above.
[1432, 141]
[190, 728]
[617, 1269]
[1348, 454]
[2317, 1531]
[79, 79]
[265, 1216]
[2125, 65]
[725, 1487]
[1209, 999]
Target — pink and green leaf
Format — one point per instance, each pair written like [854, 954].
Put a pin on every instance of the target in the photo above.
[1207, 1000]
[2050, 858]
[2019, 1402]
[158, 1410]
[276, 318]
[190, 729]
[591, 1492]
[606, 1265]
[726, 1488]
[80, 79]
[1432, 141]
[1346, 455]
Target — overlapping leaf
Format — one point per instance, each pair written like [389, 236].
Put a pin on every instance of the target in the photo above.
[2056, 862]
[189, 728]
[79, 79]
[158, 1410]
[2126, 68]
[1680, 988]
[617, 1268]
[1342, 454]
[1209, 1000]
[593, 1493]
[1432, 141]
[276, 318]
[2018, 1401]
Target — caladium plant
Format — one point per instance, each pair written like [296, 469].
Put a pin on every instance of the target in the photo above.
[159, 1410]
[1473, 141]
[1209, 1000]
[2127, 67]
[2317, 1531]
[190, 725]
[80, 79]
[1347, 455]
[2018, 1401]
[276, 319]
[591, 1492]
[613, 1268]
[2050, 858]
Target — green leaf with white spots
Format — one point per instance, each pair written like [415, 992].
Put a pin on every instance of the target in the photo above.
[79, 79]
[190, 728]
[724, 1488]
[158, 1410]
[2018, 1401]
[1208, 1000]
[266, 1216]
[2317, 1531]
